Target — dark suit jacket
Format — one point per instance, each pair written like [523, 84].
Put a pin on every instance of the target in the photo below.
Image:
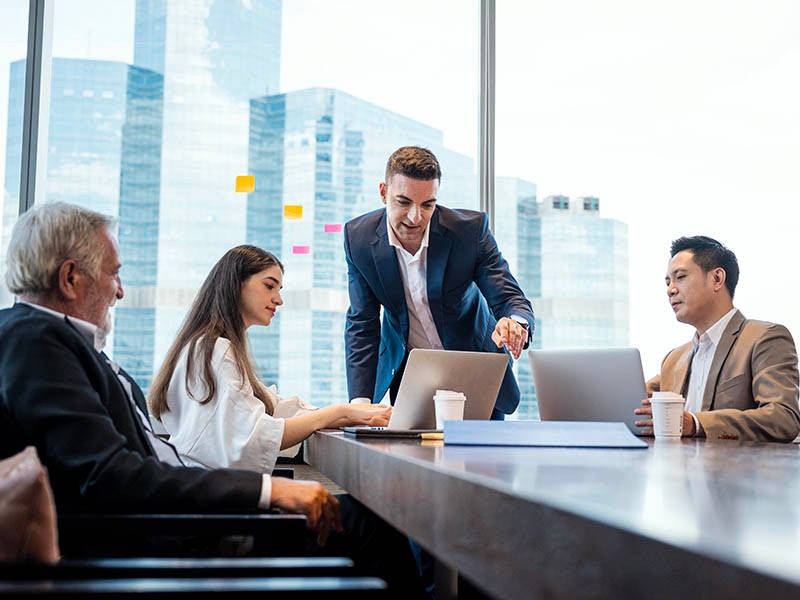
[58, 393]
[469, 288]
[752, 388]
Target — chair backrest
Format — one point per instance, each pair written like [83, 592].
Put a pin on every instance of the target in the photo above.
[27, 510]
[88, 535]
[151, 567]
[283, 587]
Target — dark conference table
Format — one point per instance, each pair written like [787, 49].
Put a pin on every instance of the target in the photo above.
[688, 518]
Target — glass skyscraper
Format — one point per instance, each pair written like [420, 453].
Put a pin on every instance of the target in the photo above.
[214, 56]
[104, 138]
[325, 150]
[573, 266]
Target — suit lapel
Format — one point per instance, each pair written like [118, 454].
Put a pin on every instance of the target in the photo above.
[137, 422]
[102, 358]
[681, 373]
[720, 355]
[138, 397]
[385, 258]
[438, 252]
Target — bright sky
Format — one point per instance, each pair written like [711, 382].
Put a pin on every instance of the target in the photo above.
[681, 117]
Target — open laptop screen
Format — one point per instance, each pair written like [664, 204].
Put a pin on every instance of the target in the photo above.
[477, 374]
[603, 384]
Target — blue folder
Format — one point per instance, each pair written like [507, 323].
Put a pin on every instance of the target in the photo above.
[565, 434]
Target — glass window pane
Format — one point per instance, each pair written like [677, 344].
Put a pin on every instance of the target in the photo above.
[158, 106]
[13, 47]
[379, 79]
[102, 150]
[671, 121]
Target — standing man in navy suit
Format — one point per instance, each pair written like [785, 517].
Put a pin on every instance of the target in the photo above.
[440, 278]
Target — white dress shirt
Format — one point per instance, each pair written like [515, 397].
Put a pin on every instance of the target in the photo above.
[233, 429]
[705, 346]
[414, 271]
[422, 331]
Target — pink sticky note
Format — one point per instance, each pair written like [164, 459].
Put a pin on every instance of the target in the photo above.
[301, 249]
[333, 228]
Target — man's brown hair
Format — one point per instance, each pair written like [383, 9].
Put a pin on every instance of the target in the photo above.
[414, 162]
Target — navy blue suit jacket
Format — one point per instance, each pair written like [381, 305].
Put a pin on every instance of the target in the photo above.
[469, 288]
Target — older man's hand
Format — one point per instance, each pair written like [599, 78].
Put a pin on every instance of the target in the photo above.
[308, 498]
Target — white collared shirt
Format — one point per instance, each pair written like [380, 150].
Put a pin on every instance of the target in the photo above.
[91, 332]
[705, 347]
[422, 331]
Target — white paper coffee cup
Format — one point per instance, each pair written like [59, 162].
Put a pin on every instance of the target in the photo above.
[667, 414]
[449, 406]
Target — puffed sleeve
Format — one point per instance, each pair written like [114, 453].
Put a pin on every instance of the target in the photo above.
[238, 432]
[285, 408]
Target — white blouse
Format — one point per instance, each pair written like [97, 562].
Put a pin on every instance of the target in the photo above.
[233, 429]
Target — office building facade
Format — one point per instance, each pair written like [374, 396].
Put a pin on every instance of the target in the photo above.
[572, 265]
[103, 151]
[214, 57]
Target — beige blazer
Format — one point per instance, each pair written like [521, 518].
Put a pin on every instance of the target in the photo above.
[752, 388]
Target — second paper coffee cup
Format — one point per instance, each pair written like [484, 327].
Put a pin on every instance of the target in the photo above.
[449, 406]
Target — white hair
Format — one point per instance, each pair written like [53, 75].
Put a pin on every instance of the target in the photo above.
[47, 235]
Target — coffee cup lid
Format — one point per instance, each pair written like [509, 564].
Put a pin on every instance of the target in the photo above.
[448, 395]
[666, 397]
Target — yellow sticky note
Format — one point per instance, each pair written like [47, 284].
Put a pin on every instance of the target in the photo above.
[245, 183]
[293, 211]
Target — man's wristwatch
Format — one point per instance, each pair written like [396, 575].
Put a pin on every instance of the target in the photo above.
[524, 323]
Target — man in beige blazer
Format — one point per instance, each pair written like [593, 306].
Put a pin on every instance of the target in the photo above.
[739, 376]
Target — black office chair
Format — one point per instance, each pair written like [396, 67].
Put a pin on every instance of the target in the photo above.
[156, 578]
[286, 472]
[188, 568]
[277, 587]
[177, 535]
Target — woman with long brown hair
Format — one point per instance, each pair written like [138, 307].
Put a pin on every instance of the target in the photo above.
[207, 394]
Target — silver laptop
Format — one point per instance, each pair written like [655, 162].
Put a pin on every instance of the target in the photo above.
[604, 384]
[477, 374]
